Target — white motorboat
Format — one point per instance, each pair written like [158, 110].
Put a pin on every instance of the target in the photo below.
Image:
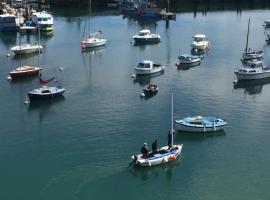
[200, 124]
[92, 40]
[26, 49]
[145, 36]
[200, 42]
[267, 23]
[189, 60]
[252, 70]
[248, 54]
[148, 67]
[163, 155]
[43, 20]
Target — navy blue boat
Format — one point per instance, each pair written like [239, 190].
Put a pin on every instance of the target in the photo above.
[45, 93]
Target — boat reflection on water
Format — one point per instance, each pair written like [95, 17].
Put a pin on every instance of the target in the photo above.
[23, 80]
[95, 50]
[144, 173]
[44, 108]
[144, 80]
[144, 45]
[199, 52]
[252, 87]
[193, 136]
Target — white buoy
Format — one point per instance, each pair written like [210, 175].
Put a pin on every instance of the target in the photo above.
[26, 102]
[8, 55]
[61, 69]
[142, 94]
[235, 81]
[133, 76]
[8, 78]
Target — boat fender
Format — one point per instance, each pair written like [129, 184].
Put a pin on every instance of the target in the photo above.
[172, 157]
[26, 102]
[8, 55]
[149, 163]
[142, 95]
[165, 160]
[133, 76]
[9, 78]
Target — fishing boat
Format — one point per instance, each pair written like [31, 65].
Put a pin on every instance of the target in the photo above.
[162, 156]
[25, 71]
[248, 54]
[252, 70]
[92, 40]
[200, 42]
[148, 67]
[145, 36]
[46, 92]
[26, 49]
[188, 60]
[200, 124]
[43, 20]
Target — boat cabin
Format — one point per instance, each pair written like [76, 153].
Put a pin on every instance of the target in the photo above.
[7, 22]
[199, 38]
[144, 32]
[145, 64]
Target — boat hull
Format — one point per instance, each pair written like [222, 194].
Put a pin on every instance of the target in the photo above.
[201, 129]
[25, 74]
[146, 40]
[159, 159]
[86, 44]
[36, 97]
[148, 71]
[254, 76]
[25, 51]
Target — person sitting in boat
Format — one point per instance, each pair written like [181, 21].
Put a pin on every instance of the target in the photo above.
[169, 139]
[144, 150]
[154, 147]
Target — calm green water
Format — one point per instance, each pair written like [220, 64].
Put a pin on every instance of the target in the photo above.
[79, 147]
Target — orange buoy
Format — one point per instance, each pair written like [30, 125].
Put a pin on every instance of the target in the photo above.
[173, 158]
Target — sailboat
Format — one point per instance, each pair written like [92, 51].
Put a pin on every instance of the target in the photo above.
[163, 155]
[248, 54]
[93, 39]
[26, 71]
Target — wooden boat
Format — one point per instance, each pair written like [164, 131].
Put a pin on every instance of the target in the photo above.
[25, 71]
[163, 155]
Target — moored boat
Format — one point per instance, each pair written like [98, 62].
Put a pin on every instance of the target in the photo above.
[46, 92]
[189, 60]
[200, 42]
[43, 20]
[7, 22]
[25, 71]
[148, 67]
[252, 70]
[200, 124]
[93, 40]
[26, 49]
[150, 89]
[145, 36]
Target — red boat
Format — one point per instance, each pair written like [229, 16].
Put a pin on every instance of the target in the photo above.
[25, 71]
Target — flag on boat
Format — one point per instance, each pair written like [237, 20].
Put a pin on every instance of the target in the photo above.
[42, 82]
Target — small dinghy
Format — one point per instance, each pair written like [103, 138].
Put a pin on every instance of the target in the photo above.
[188, 60]
[163, 155]
[145, 36]
[200, 124]
[148, 67]
[150, 89]
[26, 49]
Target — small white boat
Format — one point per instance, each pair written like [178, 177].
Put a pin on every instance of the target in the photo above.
[148, 67]
[26, 49]
[267, 23]
[200, 42]
[163, 155]
[189, 60]
[252, 70]
[43, 20]
[145, 36]
[200, 124]
[94, 40]
[26, 29]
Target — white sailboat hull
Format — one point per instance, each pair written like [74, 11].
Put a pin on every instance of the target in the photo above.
[200, 129]
[26, 49]
[140, 71]
[254, 76]
[93, 42]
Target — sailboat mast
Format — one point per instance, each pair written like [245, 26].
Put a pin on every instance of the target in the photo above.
[247, 35]
[90, 5]
[20, 50]
[172, 119]
[38, 44]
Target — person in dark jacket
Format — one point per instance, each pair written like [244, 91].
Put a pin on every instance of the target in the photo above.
[144, 150]
[169, 139]
[154, 147]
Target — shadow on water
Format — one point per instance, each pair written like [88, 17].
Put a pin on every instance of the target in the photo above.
[93, 51]
[184, 67]
[44, 107]
[144, 80]
[181, 136]
[21, 80]
[144, 173]
[8, 38]
[252, 87]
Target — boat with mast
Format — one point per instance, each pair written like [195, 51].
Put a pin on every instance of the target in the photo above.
[248, 54]
[26, 71]
[163, 155]
[92, 39]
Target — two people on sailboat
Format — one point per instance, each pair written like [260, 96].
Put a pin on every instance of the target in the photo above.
[145, 152]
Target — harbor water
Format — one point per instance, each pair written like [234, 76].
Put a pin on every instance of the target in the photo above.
[79, 147]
